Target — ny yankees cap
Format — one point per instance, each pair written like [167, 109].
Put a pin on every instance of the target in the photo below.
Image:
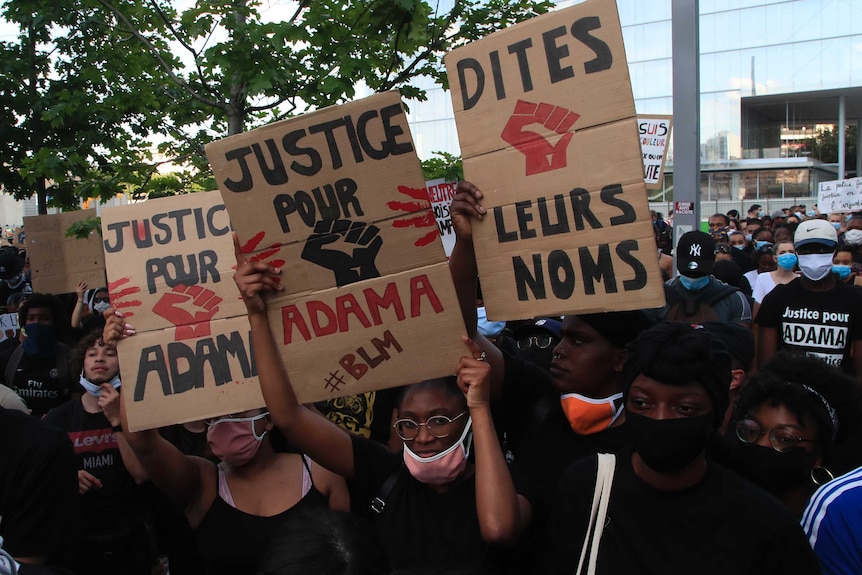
[695, 254]
[815, 231]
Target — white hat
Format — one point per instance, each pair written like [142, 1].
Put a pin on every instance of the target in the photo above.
[815, 231]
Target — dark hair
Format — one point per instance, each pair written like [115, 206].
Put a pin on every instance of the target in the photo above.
[781, 381]
[76, 358]
[324, 542]
[725, 217]
[449, 384]
[44, 300]
[760, 232]
[753, 221]
[676, 353]
[844, 248]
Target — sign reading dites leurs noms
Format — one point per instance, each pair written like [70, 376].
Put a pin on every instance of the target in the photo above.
[337, 199]
[170, 270]
[548, 132]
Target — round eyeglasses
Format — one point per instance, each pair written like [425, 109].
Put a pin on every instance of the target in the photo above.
[542, 341]
[781, 438]
[439, 426]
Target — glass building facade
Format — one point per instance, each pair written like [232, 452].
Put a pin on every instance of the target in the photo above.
[771, 75]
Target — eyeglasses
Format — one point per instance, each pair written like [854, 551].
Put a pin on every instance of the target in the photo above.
[439, 426]
[542, 341]
[782, 438]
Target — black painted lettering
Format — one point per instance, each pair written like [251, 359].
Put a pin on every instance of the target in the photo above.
[141, 233]
[235, 347]
[206, 352]
[581, 211]
[361, 129]
[502, 235]
[117, 227]
[520, 50]
[354, 141]
[290, 144]
[284, 206]
[600, 270]
[346, 191]
[180, 355]
[179, 216]
[274, 174]
[524, 218]
[328, 129]
[166, 235]
[526, 280]
[562, 285]
[305, 208]
[470, 100]
[245, 183]
[152, 360]
[624, 251]
[497, 74]
[392, 131]
[554, 55]
[562, 225]
[628, 212]
[328, 206]
[604, 57]
[211, 224]
[208, 265]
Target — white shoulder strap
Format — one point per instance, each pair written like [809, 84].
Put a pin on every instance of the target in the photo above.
[598, 513]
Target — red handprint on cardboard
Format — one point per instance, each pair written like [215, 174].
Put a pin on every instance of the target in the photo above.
[540, 154]
[118, 294]
[425, 219]
[190, 309]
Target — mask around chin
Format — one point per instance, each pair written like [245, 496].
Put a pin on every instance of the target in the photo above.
[694, 284]
[446, 466]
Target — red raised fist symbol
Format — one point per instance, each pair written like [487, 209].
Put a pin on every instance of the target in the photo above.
[190, 309]
[541, 155]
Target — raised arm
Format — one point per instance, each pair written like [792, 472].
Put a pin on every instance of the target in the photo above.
[503, 514]
[465, 208]
[78, 312]
[314, 435]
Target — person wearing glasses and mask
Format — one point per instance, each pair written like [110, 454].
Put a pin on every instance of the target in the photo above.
[671, 509]
[535, 341]
[791, 420]
[432, 509]
[237, 506]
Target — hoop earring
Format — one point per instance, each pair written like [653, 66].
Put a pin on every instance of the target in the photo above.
[824, 472]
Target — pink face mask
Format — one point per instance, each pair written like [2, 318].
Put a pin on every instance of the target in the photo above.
[444, 467]
[234, 439]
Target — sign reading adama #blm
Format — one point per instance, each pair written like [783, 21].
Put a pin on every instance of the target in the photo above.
[336, 199]
[170, 269]
[548, 132]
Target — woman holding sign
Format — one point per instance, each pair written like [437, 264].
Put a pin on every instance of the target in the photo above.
[431, 507]
[236, 507]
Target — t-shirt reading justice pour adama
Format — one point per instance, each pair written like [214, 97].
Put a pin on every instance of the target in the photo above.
[820, 324]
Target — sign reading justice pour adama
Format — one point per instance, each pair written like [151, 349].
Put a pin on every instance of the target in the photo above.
[337, 198]
[548, 132]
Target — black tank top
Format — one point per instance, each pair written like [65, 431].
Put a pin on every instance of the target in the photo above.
[232, 542]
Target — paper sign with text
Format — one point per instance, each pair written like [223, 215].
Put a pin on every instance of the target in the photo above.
[58, 263]
[8, 326]
[654, 134]
[840, 196]
[548, 132]
[337, 199]
[170, 268]
[441, 192]
[19, 238]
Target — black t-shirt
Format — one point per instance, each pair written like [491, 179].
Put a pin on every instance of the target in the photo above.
[419, 527]
[721, 525]
[820, 324]
[114, 510]
[38, 487]
[39, 381]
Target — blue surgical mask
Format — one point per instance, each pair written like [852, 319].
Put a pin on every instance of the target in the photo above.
[842, 271]
[760, 214]
[810, 213]
[759, 244]
[739, 246]
[836, 225]
[748, 237]
[694, 284]
[787, 261]
[486, 327]
[848, 217]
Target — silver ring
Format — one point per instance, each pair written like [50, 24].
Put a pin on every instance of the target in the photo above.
[483, 357]
[558, 356]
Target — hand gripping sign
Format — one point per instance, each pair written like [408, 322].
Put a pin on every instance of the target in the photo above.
[338, 196]
[548, 132]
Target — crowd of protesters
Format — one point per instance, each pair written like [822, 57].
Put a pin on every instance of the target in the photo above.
[720, 433]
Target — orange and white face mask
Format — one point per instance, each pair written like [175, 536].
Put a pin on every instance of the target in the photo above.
[587, 415]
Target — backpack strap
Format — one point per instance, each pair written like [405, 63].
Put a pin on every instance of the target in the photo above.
[378, 504]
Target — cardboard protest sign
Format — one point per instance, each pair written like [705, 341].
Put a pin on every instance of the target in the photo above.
[58, 263]
[170, 265]
[654, 133]
[840, 196]
[441, 192]
[336, 197]
[8, 326]
[548, 132]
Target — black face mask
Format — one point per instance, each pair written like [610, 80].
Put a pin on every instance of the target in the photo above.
[774, 471]
[667, 445]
